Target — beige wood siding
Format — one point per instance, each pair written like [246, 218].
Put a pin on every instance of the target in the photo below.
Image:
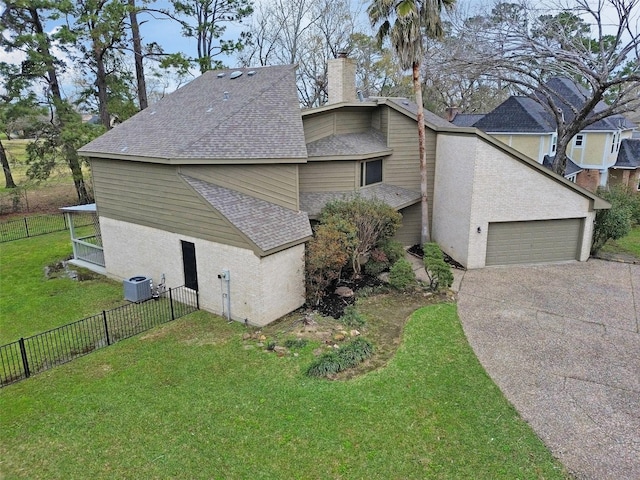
[402, 168]
[353, 120]
[527, 144]
[155, 196]
[318, 126]
[533, 242]
[328, 176]
[274, 183]
[409, 233]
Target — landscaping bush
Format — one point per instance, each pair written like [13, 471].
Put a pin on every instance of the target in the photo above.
[438, 271]
[401, 275]
[326, 254]
[295, 343]
[352, 318]
[615, 222]
[347, 356]
[373, 221]
[377, 263]
[393, 250]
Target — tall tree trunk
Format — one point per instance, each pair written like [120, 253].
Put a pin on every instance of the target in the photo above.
[101, 85]
[69, 152]
[424, 204]
[137, 52]
[8, 178]
[560, 160]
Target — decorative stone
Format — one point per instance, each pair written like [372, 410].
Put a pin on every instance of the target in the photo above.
[354, 333]
[262, 338]
[246, 336]
[338, 337]
[280, 350]
[344, 292]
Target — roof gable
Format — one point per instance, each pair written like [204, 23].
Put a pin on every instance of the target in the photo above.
[217, 117]
[517, 114]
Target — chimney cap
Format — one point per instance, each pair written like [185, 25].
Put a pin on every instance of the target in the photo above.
[342, 54]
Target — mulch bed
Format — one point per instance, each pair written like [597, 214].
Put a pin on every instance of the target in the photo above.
[333, 305]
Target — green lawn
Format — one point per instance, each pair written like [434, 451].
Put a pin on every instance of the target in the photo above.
[191, 399]
[629, 245]
[29, 303]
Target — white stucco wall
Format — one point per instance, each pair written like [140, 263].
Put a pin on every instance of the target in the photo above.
[262, 289]
[487, 184]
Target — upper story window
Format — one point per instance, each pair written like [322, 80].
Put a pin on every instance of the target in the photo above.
[370, 172]
[579, 141]
[554, 143]
[615, 143]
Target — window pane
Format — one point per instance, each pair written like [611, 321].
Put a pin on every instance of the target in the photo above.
[373, 172]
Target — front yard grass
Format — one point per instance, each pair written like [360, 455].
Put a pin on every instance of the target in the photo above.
[629, 244]
[30, 303]
[191, 399]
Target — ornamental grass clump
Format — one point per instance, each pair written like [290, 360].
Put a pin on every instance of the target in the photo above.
[347, 356]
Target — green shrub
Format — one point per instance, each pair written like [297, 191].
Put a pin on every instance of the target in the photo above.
[393, 250]
[439, 273]
[352, 318]
[374, 268]
[347, 356]
[432, 250]
[401, 275]
[615, 222]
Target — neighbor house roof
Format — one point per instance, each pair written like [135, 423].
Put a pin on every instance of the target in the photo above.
[570, 169]
[365, 144]
[267, 225]
[396, 197]
[568, 95]
[629, 154]
[221, 115]
[466, 119]
[411, 106]
[517, 115]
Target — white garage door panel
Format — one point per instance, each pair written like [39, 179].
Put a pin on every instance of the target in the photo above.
[534, 241]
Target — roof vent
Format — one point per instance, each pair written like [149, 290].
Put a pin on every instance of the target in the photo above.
[251, 73]
[360, 95]
[153, 113]
[235, 74]
[209, 110]
[222, 74]
[405, 102]
[226, 95]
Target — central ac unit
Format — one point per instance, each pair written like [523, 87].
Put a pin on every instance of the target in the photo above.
[137, 289]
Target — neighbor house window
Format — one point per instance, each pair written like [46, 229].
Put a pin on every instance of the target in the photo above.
[370, 172]
[579, 141]
[554, 143]
[615, 143]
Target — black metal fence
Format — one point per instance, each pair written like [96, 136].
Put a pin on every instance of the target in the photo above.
[35, 225]
[28, 356]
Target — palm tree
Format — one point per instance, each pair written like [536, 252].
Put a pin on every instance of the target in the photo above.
[405, 23]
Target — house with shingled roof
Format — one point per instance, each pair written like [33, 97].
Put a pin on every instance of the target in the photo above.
[217, 185]
[594, 154]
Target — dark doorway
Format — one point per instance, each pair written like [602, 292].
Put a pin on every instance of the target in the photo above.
[189, 265]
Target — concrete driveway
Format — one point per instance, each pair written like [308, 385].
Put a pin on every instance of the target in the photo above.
[563, 344]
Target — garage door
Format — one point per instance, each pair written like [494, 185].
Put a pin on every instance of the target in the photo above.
[534, 242]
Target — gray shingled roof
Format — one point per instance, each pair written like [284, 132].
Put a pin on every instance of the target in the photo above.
[216, 117]
[396, 197]
[570, 169]
[429, 117]
[466, 119]
[267, 225]
[569, 94]
[629, 154]
[517, 114]
[366, 143]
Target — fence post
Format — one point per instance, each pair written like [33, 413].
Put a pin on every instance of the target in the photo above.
[26, 226]
[197, 300]
[106, 326]
[173, 316]
[64, 218]
[25, 362]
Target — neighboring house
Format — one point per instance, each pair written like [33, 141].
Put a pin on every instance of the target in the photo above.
[225, 174]
[594, 154]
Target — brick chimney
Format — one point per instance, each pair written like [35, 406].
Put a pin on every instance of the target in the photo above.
[450, 113]
[342, 79]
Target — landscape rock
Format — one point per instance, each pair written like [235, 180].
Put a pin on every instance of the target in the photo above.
[354, 333]
[344, 292]
[338, 337]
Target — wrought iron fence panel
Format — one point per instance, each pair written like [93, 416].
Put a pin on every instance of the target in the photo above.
[36, 225]
[40, 352]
